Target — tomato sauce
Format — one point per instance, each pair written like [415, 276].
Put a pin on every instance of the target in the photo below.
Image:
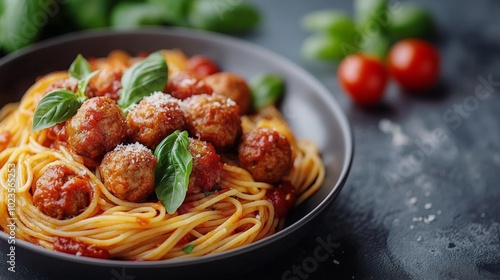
[71, 246]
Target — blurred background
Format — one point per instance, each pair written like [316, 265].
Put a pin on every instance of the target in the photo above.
[414, 206]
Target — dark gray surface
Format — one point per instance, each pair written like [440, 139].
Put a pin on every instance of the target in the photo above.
[379, 226]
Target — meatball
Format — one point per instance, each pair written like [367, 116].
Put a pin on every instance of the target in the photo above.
[107, 83]
[266, 154]
[154, 118]
[70, 84]
[60, 193]
[184, 85]
[206, 166]
[213, 118]
[232, 86]
[128, 172]
[96, 128]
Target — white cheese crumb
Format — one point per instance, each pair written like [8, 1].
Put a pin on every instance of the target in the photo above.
[159, 99]
[429, 219]
[413, 200]
[398, 137]
[417, 219]
[428, 206]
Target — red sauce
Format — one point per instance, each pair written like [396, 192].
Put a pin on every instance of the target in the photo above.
[185, 207]
[56, 136]
[5, 137]
[142, 221]
[71, 246]
[185, 240]
[282, 197]
[202, 66]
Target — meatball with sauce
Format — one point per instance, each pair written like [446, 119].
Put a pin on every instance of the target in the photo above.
[61, 194]
[154, 118]
[232, 86]
[96, 128]
[201, 66]
[213, 118]
[128, 172]
[184, 85]
[206, 166]
[266, 154]
[107, 83]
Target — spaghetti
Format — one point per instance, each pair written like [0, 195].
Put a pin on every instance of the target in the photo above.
[237, 212]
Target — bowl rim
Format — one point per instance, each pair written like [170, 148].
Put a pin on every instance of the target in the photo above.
[246, 46]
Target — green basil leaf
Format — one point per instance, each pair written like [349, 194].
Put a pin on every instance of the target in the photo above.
[410, 21]
[267, 90]
[55, 107]
[188, 248]
[223, 16]
[174, 11]
[175, 163]
[324, 47]
[88, 14]
[126, 15]
[371, 12]
[332, 22]
[80, 68]
[142, 79]
[84, 82]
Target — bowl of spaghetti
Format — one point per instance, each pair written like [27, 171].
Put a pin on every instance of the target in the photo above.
[147, 151]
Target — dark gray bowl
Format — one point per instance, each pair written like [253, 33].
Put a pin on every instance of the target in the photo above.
[308, 106]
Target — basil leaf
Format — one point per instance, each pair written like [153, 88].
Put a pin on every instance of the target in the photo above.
[80, 68]
[84, 82]
[55, 107]
[267, 90]
[188, 248]
[142, 79]
[172, 172]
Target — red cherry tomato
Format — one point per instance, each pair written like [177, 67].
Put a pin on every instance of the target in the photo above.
[202, 66]
[414, 64]
[363, 78]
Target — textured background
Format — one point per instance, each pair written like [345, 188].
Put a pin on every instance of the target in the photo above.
[423, 197]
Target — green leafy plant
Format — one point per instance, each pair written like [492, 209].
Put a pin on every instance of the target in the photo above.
[188, 248]
[266, 90]
[140, 80]
[61, 104]
[22, 21]
[173, 169]
[375, 27]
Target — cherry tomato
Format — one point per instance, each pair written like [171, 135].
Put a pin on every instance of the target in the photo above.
[202, 66]
[363, 78]
[414, 64]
